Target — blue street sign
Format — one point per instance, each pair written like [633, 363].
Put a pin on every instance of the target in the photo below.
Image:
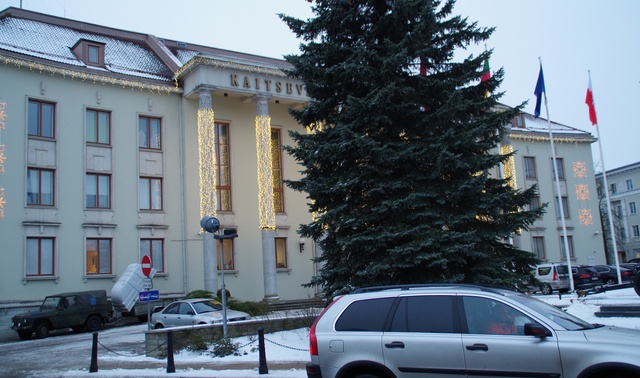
[149, 296]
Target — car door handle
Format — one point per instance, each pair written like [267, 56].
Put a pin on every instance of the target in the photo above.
[482, 347]
[395, 345]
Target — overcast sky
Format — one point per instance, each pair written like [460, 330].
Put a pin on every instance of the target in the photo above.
[570, 36]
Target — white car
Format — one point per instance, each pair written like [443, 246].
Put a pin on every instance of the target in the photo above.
[195, 311]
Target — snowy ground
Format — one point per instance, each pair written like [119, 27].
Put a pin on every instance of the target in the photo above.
[287, 352]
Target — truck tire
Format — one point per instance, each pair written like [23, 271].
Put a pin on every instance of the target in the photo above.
[93, 323]
[42, 330]
[25, 335]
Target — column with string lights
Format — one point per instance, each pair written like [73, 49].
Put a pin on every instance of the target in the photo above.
[208, 181]
[266, 210]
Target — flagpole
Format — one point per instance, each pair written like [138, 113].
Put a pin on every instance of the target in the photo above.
[555, 174]
[606, 191]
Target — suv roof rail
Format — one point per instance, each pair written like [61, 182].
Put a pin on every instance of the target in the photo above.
[428, 285]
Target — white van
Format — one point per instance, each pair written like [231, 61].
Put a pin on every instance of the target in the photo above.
[553, 277]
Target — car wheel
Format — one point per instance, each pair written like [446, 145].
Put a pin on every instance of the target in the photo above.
[367, 375]
[42, 330]
[546, 289]
[24, 335]
[93, 324]
[636, 284]
[158, 326]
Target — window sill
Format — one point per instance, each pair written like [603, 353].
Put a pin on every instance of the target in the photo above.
[40, 278]
[88, 277]
[283, 270]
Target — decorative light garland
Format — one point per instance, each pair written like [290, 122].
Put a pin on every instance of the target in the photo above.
[207, 162]
[509, 166]
[545, 139]
[84, 76]
[265, 176]
[216, 63]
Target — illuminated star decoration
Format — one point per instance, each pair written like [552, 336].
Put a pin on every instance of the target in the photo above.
[579, 169]
[2, 202]
[582, 192]
[585, 216]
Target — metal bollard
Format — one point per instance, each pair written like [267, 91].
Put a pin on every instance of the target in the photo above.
[262, 367]
[171, 368]
[93, 368]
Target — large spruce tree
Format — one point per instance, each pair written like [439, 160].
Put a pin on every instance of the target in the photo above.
[400, 162]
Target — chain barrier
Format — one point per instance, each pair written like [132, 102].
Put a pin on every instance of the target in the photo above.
[288, 347]
[127, 355]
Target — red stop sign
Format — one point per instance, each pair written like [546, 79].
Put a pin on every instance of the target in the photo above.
[146, 265]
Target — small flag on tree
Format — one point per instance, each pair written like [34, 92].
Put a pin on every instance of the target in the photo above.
[591, 104]
[538, 92]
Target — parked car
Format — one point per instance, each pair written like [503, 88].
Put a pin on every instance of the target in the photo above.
[633, 266]
[552, 277]
[609, 274]
[445, 330]
[636, 260]
[195, 311]
[585, 277]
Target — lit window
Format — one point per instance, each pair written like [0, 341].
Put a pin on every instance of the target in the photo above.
[154, 248]
[281, 252]
[149, 133]
[98, 254]
[98, 191]
[227, 259]
[150, 193]
[40, 186]
[41, 119]
[529, 167]
[40, 257]
[98, 127]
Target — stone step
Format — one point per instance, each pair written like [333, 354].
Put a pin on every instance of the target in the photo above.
[618, 311]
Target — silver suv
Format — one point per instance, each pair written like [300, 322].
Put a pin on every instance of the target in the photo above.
[457, 330]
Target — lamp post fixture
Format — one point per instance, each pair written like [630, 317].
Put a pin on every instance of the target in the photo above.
[212, 225]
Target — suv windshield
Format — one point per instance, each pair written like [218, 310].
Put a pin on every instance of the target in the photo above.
[50, 302]
[552, 313]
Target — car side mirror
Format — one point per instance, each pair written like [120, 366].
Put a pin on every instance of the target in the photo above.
[534, 329]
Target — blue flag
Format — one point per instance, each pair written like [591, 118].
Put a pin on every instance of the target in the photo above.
[538, 92]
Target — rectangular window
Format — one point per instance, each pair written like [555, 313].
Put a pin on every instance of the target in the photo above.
[223, 159]
[537, 244]
[560, 166]
[529, 167]
[41, 119]
[154, 248]
[149, 133]
[40, 256]
[227, 259]
[635, 229]
[562, 248]
[94, 54]
[632, 208]
[623, 233]
[613, 188]
[150, 193]
[98, 191]
[40, 186]
[629, 183]
[565, 208]
[98, 124]
[535, 204]
[98, 256]
[276, 173]
[281, 252]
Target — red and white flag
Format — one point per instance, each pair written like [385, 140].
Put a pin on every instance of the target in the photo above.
[591, 105]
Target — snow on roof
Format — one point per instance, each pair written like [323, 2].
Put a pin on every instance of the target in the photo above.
[54, 43]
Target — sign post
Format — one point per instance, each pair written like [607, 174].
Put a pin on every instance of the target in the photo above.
[146, 270]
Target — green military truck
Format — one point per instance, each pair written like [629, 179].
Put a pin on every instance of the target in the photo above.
[76, 310]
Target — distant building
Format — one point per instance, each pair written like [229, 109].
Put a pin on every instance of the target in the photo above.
[115, 144]
[528, 137]
[624, 193]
